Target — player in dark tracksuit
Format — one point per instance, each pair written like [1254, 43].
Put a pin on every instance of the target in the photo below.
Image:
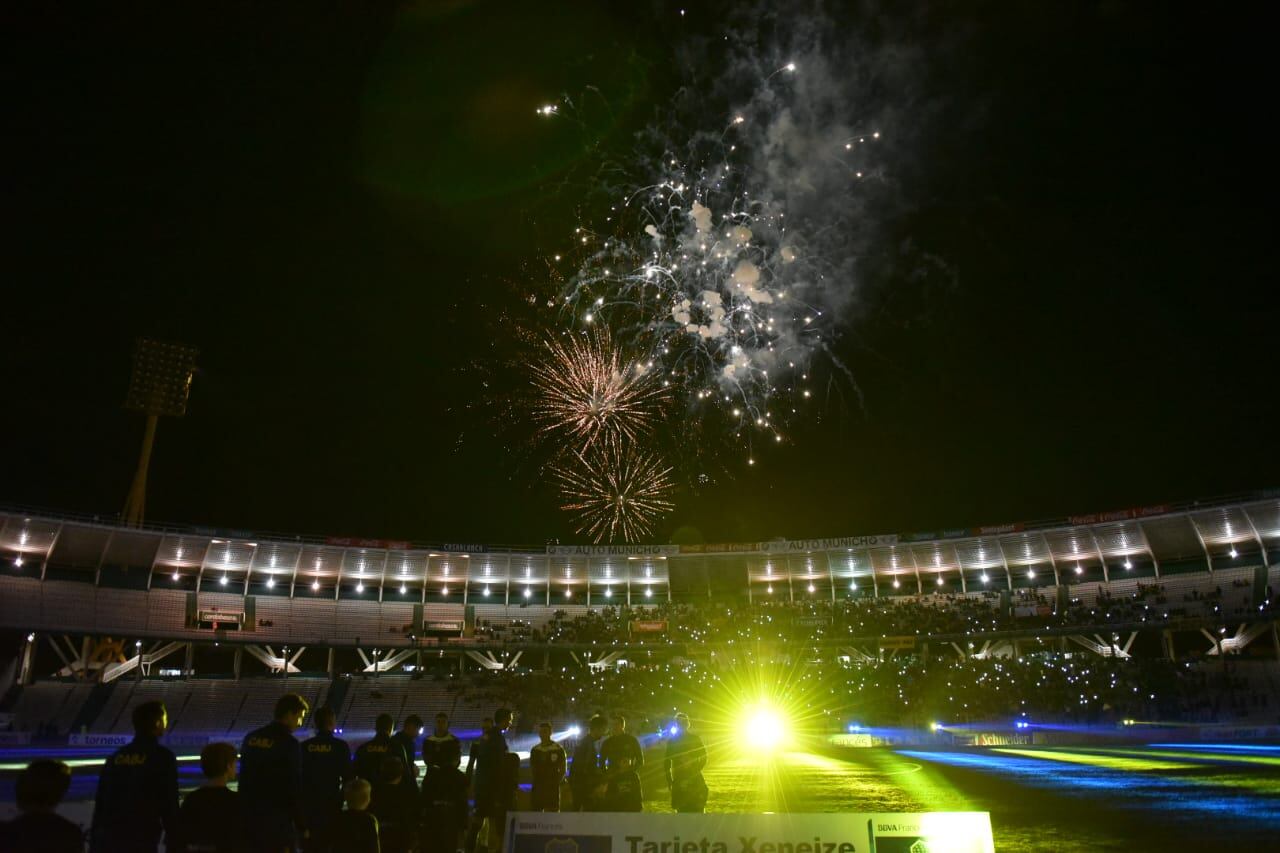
[138, 790]
[686, 756]
[271, 778]
[326, 767]
[585, 776]
[622, 758]
[473, 761]
[407, 737]
[370, 755]
[546, 765]
[492, 796]
[441, 748]
[444, 807]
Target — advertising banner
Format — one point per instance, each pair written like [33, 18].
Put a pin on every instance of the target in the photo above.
[380, 544]
[862, 832]
[99, 740]
[613, 550]
[847, 543]
[648, 626]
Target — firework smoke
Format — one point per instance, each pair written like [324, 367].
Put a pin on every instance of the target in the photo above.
[726, 261]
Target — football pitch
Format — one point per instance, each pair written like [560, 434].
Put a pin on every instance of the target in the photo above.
[1153, 797]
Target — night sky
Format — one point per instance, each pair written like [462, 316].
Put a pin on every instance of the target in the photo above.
[1064, 308]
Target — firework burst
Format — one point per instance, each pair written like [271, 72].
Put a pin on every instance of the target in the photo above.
[614, 491]
[587, 393]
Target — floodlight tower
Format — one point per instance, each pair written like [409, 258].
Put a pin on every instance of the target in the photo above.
[159, 387]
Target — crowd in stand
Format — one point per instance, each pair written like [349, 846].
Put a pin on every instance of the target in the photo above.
[930, 615]
[317, 795]
[911, 691]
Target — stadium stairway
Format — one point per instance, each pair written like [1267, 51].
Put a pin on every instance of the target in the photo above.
[10, 699]
[337, 694]
[92, 707]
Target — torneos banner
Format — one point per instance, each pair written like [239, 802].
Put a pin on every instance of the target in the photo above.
[588, 832]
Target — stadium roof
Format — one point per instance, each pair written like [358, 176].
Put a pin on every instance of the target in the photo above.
[1149, 540]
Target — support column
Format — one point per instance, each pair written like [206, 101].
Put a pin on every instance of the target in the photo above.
[85, 645]
[329, 663]
[28, 659]
[189, 665]
[236, 661]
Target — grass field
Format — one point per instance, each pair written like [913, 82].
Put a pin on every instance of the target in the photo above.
[1155, 797]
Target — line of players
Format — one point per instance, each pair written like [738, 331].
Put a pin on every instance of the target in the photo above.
[292, 793]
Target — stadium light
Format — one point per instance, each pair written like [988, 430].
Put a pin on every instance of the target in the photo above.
[1128, 565]
[896, 584]
[486, 592]
[608, 592]
[985, 578]
[528, 593]
[176, 576]
[939, 580]
[271, 583]
[933, 727]
[223, 580]
[17, 562]
[158, 387]
[1079, 570]
[811, 589]
[648, 593]
[1031, 573]
[360, 587]
[764, 728]
[1233, 552]
[315, 585]
[403, 589]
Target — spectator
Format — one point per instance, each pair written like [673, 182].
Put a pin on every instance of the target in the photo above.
[137, 798]
[354, 830]
[211, 819]
[39, 828]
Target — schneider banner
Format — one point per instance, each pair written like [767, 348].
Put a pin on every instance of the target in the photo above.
[588, 832]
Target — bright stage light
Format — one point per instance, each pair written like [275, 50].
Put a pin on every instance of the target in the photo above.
[765, 729]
